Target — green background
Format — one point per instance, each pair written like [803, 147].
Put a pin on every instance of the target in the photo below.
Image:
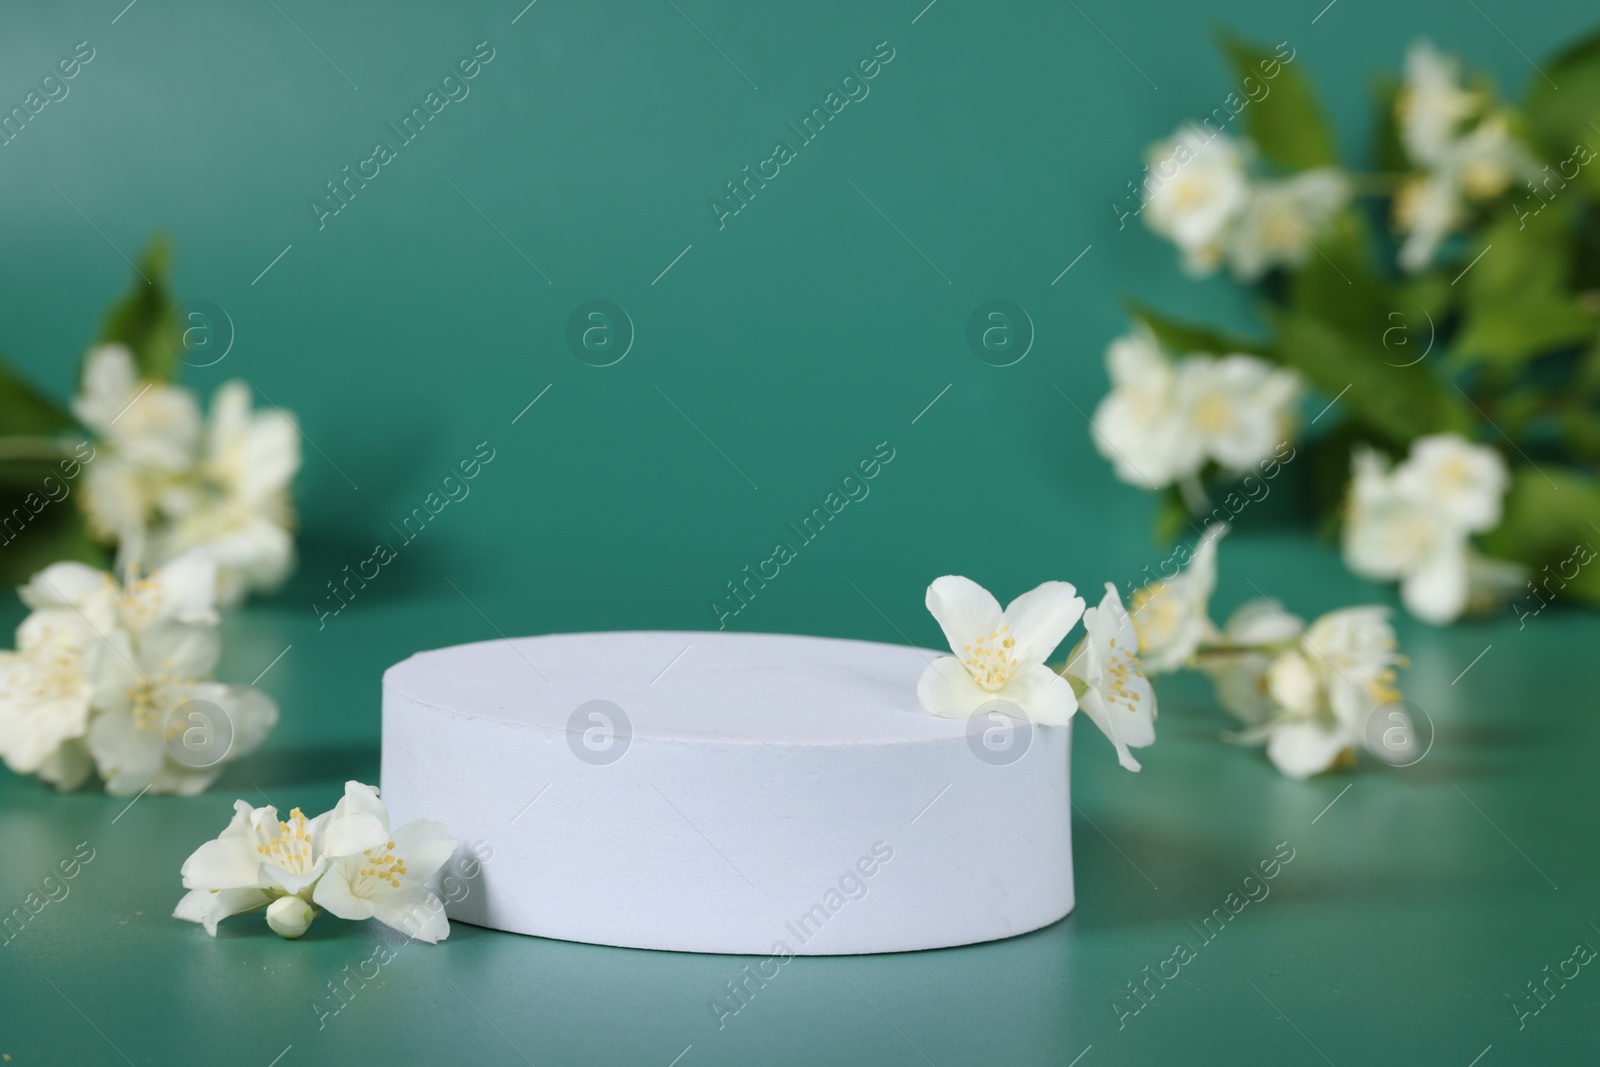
[415, 325]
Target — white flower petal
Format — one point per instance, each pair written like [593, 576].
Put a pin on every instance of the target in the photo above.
[1239, 406]
[1241, 685]
[358, 822]
[1196, 191]
[185, 589]
[1464, 481]
[1042, 694]
[253, 715]
[1436, 591]
[963, 609]
[1171, 616]
[425, 845]
[109, 380]
[1303, 748]
[179, 780]
[354, 833]
[414, 911]
[179, 650]
[1294, 683]
[1122, 680]
[1139, 426]
[1040, 620]
[128, 758]
[334, 892]
[57, 629]
[946, 689]
[73, 585]
[45, 705]
[1356, 645]
[1095, 707]
[1262, 621]
[1117, 697]
[229, 862]
[1284, 219]
[210, 908]
[272, 876]
[68, 767]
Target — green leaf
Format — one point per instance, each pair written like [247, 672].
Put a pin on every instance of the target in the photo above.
[1327, 463]
[1287, 123]
[1511, 331]
[1548, 512]
[145, 319]
[40, 523]
[26, 412]
[1387, 150]
[1338, 283]
[1396, 402]
[1182, 338]
[1561, 119]
[1429, 292]
[1518, 303]
[1172, 516]
[1579, 432]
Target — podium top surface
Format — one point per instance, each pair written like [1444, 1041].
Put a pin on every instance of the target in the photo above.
[754, 688]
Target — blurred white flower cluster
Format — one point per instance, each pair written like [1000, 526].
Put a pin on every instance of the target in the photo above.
[1202, 198]
[165, 482]
[118, 678]
[1308, 693]
[1412, 523]
[1164, 420]
[1461, 144]
[1459, 175]
[346, 861]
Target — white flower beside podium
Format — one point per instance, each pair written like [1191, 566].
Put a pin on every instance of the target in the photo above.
[735, 793]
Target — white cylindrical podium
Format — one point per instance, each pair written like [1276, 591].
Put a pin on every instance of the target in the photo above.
[735, 793]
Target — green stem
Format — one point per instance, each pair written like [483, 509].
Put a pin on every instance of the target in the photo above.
[45, 448]
[1224, 648]
[1380, 184]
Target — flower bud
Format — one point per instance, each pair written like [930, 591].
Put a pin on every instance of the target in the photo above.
[289, 916]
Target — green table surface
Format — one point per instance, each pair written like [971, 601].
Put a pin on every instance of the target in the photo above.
[1418, 903]
[771, 355]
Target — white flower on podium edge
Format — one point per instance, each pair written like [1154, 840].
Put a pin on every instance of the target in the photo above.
[346, 861]
[1172, 615]
[1000, 655]
[1112, 688]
